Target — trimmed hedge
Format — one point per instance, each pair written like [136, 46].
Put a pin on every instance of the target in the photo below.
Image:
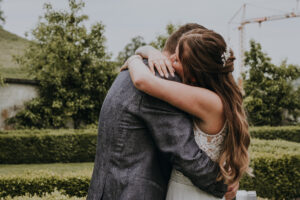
[41, 185]
[275, 166]
[276, 169]
[289, 133]
[67, 145]
[47, 146]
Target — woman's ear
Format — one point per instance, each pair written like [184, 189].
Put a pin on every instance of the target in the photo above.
[193, 79]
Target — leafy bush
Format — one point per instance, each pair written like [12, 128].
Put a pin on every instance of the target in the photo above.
[41, 185]
[68, 145]
[289, 133]
[270, 97]
[275, 166]
[276, 169]
[47, 146]
[72, 67]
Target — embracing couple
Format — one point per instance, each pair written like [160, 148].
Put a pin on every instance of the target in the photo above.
[173, 126]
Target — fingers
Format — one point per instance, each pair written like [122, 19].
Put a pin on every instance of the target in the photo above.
[232, 190]
[151, 66]
[158, 68]
[230, 195]
[233, 187]
[164, 68]
[170, 67]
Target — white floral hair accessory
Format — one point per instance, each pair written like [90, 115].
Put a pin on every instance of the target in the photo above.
[225, 56]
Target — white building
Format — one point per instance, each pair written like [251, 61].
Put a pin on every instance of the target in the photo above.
[13, 94]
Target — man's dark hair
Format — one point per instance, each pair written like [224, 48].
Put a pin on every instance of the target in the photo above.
[172, 41]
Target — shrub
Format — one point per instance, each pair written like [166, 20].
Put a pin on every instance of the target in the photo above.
[41, 185]
[289, 133]
[276, 169]
[275, 166]
[270, 96]
[72, 66]
[68, 145]
[48, 146]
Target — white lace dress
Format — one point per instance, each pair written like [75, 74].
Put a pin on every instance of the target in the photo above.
[180, 187]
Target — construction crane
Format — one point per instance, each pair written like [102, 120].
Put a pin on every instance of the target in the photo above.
[258, 20]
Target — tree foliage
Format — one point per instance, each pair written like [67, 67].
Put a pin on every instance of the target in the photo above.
[2, 19]
[130, 48]
[270, 97]
[72, 68]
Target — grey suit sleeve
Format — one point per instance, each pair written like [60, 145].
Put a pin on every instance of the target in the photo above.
[172, 131]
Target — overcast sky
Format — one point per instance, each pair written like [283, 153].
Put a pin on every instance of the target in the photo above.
[125, 19]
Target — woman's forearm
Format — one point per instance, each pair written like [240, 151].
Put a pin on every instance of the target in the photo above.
[140, 74]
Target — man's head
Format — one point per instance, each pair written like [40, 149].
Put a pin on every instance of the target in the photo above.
[172, 41]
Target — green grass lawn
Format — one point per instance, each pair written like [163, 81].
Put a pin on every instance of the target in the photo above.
[60, 169]
[11, 45]
[14, 72]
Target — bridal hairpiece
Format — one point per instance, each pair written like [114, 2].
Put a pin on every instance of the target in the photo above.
[225, 56]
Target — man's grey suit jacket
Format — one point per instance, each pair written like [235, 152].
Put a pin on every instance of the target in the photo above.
[140, 138]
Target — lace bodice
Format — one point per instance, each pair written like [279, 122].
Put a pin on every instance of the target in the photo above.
[211, 144]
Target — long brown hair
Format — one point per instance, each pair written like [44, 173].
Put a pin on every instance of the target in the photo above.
[205, 58]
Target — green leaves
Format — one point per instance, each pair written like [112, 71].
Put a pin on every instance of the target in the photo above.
[70, 63]
[270, 98]
[1, 14]
[130, 48]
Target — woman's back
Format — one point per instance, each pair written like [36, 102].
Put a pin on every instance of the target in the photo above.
[180, 187]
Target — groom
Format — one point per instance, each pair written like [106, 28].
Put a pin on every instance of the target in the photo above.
[140, 139]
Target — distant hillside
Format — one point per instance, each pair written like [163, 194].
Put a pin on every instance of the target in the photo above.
[11, 44]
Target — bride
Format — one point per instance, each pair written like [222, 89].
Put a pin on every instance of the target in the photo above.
[210, 94]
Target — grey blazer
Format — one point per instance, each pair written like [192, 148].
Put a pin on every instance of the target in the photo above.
[140, 138]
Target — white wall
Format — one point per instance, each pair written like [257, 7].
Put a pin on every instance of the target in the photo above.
[12, 99]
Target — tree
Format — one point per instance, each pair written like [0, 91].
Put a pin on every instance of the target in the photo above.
[1, 14]
[72, 68]
[3, 20]
[270, 97]
[130, 48]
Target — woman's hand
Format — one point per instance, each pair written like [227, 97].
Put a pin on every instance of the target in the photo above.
[232, 190]
[161, 63]
[127, 63]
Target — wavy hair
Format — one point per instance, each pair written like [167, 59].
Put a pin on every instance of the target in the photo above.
[205, 58]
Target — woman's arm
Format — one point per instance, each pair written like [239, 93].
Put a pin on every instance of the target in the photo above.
[197, 101]
[156, 59]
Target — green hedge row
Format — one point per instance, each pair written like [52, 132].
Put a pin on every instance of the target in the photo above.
[48, 147]
[275, 167]
[289, 133]
[20, 186]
